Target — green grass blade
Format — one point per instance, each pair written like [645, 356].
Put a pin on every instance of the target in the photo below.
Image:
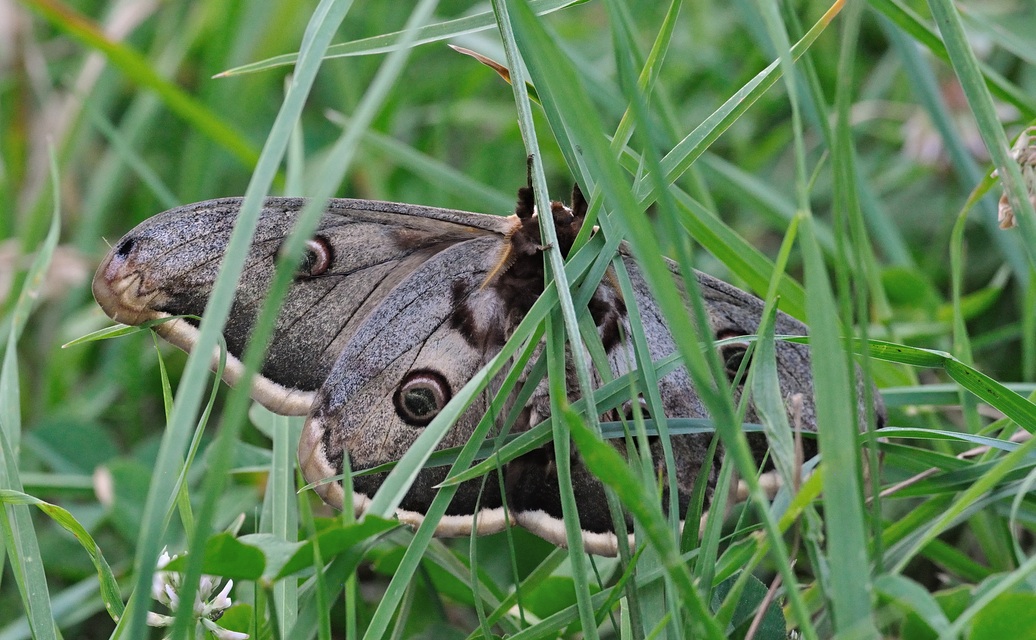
[284, 511]
[557, 376]
[557, 353]
[388, 42]
[680, 158]
[436, 171]
[983, 386]
[20, 540]
[131, 158]
[938, 394]
[109, 587]
[19, 535]
[846, 542]
[922, 80]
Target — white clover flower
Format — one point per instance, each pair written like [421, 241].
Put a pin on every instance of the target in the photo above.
[165, 588]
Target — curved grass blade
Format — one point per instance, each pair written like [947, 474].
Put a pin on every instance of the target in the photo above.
[1014, 406]
[975, 497]
[680, 158]
[939, 394]
[393, 41]
[500, 70]
[109, 587]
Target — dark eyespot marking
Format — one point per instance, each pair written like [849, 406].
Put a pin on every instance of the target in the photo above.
[421, 396]
[317, 258]
[627, 409]
[733, 354]
[125, 247]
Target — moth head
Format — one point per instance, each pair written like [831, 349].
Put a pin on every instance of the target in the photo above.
[124, 286]
[420, 396]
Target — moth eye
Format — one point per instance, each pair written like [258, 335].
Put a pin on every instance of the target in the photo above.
[421, 396]
[733, 355]
[317, 258]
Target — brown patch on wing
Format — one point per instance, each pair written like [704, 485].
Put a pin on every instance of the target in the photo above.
[476, 315]
[462, 319]
[415, 240]
[332, 451]
[409, 239]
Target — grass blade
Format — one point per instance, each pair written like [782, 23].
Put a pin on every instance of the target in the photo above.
[388, 42]
[19, 535]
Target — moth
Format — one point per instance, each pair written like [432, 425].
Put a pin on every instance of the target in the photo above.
[393, 309]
